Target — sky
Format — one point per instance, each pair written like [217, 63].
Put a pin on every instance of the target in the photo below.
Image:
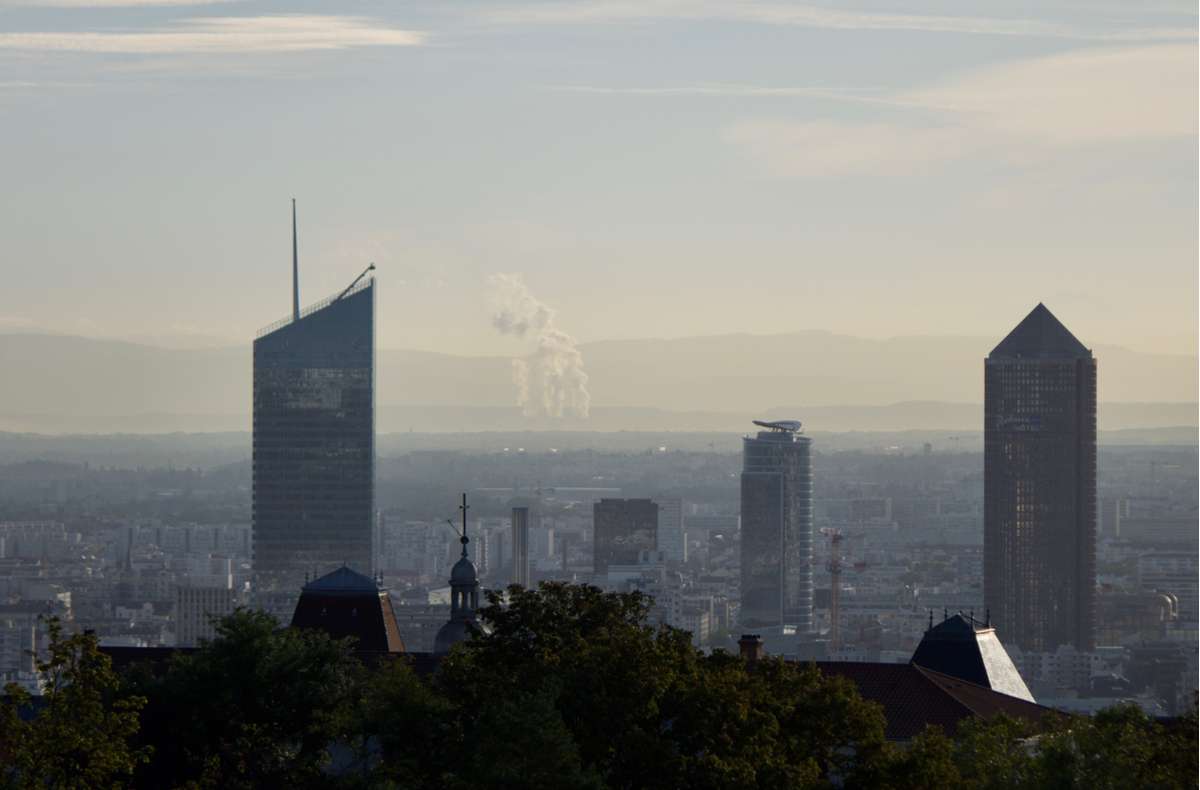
[646, 168]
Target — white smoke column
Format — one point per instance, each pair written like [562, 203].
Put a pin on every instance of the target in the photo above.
[550, 381]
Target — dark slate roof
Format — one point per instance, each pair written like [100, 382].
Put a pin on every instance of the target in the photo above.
[914, 697]
[1040, 336]
[367, 617]
[343, 580]
[969, 650]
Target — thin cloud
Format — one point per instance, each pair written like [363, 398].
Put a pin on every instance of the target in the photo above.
[851, 95]
[224, 35]
[1015, 109]
[108, 3]
[781, 14]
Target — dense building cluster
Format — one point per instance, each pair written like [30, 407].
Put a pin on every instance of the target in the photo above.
[829, 547]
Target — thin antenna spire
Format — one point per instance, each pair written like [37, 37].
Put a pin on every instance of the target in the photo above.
[295, 269]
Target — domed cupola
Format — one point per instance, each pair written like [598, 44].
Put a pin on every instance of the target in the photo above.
[464, 597]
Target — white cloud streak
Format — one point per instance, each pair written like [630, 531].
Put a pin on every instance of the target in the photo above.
[850, 95]
[109, 3]
[223, 35]
[591, 12]
[1017, 109]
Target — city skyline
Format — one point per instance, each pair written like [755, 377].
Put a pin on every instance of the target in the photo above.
[504, 520]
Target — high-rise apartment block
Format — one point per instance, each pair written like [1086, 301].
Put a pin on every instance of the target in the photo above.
[520, 546]
[197, 607]
[777, 528]
[1040, 486]
[314, 440]
[672, 541]
[624, 528]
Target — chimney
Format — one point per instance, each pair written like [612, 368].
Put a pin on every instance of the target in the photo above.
[751, 648]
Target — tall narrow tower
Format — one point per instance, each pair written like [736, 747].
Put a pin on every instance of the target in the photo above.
[520, 545]
[777, 528]
[1039, 528]
[313, 456]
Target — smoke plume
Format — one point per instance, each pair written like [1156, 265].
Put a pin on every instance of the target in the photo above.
[550, 380]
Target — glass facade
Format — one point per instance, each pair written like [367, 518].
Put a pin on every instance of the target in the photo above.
[1040, 487]
[520, 546]
[624, 528]
[777, 531]
[314, 441]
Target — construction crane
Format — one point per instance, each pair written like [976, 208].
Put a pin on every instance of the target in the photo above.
[834, 566]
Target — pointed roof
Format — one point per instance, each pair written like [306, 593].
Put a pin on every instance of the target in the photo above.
[1040, 336]
[342, 580]
[966, 649]
[346, 603]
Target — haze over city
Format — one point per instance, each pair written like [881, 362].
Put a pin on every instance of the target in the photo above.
[599, 394]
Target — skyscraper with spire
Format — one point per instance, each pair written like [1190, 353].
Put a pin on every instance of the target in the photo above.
[1040, 486]
[313, 488]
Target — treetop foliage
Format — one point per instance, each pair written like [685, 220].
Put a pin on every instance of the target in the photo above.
[568, 687]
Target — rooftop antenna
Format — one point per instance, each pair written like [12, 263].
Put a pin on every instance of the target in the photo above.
[295, 269]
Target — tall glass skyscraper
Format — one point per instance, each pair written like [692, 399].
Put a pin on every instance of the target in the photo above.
[314, 440]
[1039, 496]
[777, 528]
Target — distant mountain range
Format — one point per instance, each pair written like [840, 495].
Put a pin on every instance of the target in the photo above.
[831, 382]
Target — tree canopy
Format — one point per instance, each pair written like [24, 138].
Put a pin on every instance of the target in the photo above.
[568, 687]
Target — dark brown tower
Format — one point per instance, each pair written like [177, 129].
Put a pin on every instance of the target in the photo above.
[1039, 533]
[623, 529]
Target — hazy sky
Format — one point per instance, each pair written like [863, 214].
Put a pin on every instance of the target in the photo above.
[649, 168]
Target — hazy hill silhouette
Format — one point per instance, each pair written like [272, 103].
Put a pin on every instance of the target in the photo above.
[920, 382]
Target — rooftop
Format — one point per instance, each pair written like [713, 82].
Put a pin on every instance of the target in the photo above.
[965, 648]
[1040, 336]
[316, 307]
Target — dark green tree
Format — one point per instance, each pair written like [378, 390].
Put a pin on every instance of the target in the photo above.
[82, 733]
[258, 706]
[403, 733]
[1118, 748]
[644, 708]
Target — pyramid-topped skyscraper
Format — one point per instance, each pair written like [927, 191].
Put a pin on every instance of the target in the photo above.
[1040, 485]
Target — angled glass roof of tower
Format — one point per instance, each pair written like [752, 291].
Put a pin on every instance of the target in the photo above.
[314, 440]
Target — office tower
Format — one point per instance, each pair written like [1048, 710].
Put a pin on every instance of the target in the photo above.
[671, 539]
[1039, 532]
[314, 439]
[624, 528]
[520, 546]
[777, 528]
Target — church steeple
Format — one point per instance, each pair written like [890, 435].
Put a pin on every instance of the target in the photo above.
[464, 595]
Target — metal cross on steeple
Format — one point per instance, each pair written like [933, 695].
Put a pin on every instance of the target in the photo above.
[464, 540]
